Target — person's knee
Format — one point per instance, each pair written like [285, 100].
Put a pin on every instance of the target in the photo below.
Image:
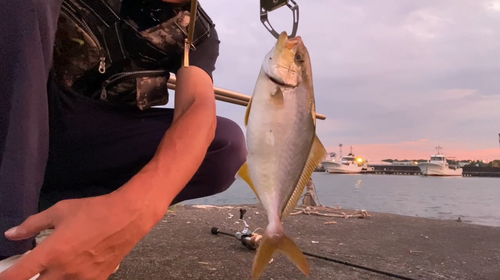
[230, 147]
[231, 139]
[224, 157]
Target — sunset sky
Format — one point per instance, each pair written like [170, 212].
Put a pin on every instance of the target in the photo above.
[396, 78]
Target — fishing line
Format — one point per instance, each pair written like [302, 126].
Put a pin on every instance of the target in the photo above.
[245, 242]
[358, 266]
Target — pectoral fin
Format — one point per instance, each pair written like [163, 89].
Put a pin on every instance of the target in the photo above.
[313, 114]
[247, 113]
[316, 155]
[244, 174]
[277, 98]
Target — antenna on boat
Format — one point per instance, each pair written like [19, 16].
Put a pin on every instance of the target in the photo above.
[438, 148]
[340, 150]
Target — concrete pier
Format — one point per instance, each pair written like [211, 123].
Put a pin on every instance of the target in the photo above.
[182, 247]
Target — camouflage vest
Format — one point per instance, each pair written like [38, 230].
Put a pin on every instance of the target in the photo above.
[105, 55]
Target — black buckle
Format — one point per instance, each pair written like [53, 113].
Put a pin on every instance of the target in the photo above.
[266, 6]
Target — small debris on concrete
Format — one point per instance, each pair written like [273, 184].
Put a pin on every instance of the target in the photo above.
[415, 252]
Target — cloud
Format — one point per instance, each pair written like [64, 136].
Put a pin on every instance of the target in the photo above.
[420, 149]
[426, 24]
[493, 5]
[385, 72]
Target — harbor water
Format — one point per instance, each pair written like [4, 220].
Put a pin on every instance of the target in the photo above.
[475, 200]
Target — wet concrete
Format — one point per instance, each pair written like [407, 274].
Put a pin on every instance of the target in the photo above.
[182, 247]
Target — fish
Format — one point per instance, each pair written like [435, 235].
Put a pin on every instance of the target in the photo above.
[282, 144]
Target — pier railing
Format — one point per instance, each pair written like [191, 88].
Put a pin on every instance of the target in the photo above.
[229, 96]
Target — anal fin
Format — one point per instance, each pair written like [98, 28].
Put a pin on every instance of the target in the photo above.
[316, 155]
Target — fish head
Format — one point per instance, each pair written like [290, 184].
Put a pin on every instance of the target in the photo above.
[286, 61]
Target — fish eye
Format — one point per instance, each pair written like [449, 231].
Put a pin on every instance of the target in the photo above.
[298, 57]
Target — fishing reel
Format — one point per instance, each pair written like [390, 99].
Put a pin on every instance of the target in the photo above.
[249, 239]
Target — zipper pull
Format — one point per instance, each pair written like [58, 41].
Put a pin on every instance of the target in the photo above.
[104, 93]
[102, 65]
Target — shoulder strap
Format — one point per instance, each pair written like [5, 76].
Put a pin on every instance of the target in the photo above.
[102, 10]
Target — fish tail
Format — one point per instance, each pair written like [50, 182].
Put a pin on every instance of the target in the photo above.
[281, 243]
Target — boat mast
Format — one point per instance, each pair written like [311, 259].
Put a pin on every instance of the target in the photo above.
[438, 148]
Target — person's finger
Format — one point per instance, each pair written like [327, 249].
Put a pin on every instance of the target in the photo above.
[32, 226]
[26, 267]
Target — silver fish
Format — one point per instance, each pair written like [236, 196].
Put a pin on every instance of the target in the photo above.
[283, 148]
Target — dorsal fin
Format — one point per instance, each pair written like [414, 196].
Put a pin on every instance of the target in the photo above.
[316, 155]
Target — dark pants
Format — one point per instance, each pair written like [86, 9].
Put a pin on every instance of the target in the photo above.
[93, 148]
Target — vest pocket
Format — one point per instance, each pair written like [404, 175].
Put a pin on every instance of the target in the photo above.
[77, 49]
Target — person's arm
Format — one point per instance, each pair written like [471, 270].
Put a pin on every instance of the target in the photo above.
[185, 144]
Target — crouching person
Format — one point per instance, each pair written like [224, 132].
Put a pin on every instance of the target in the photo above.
[88, 153]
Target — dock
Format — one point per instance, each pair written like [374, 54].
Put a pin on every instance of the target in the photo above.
[387, 169]
[181, 246]
[481, 172]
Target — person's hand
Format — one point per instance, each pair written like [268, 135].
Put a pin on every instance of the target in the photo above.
[91, 237]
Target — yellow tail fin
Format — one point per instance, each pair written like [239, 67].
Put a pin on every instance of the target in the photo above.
[284, 244]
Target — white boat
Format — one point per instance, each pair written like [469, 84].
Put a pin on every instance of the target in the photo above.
[439, 166]
[347, 165]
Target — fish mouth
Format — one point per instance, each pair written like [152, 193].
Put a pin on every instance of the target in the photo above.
[278, 82]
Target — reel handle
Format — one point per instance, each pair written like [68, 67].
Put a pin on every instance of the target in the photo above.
[242, 213]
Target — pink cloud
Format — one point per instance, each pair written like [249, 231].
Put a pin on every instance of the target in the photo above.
[420, 149]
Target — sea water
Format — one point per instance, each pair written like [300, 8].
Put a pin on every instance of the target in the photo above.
[473, 199]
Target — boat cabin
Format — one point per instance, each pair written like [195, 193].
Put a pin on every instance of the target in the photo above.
[350, 158]
[438, 158]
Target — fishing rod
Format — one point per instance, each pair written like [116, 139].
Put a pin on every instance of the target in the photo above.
[226, 95]
[251, 240]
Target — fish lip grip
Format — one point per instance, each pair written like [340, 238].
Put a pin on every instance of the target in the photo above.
[271, 5]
